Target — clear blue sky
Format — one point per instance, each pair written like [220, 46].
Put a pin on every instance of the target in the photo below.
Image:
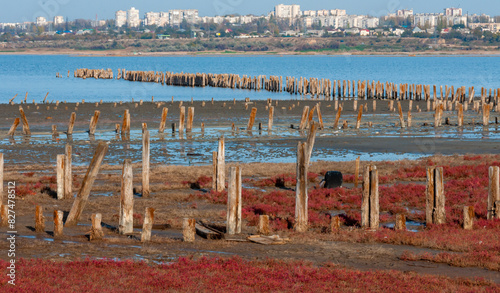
[27, 10]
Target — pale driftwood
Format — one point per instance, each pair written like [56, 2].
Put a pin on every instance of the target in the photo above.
[13, 127]
[234, 202]
[60, 176]
[84, 192]
[264, 225]
[96, 232]
[164, 113]
[58, 223]
[145, 163]
[493, 191]
[189, 230]
[301, 217]
[39, 220]
[149, 217]
[126, 224]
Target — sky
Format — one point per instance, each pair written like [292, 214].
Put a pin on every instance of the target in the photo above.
[28, 10]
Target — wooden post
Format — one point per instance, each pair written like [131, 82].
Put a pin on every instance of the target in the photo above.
[337, 118]
[334, 224]
[493, 192]
[400, 223]
[320, 118]
[13, 127]
[188, 230]
[93, 122]
[58, 223]
[4, 215]
[145, 163]
[26, 126]
[127, 199]
[271, 118]
[358, 121]
[149, 216]
[468, 217]
[60, 176]
[234, 202]
[39, 220]
[96, 232]
[164, 113]
[460, 115]
[264, 225]
[182, 118]
[301, 218]
[126, 123]
[251, 121]
[370, 210]
[189, 126]
[84, 192]
[1, 178]
[435, 200]
[221, 166]
[356, 173]
[214, 170]
[303, 120]
[409, 118]
[486, 114]
[68, 173]
[401, 118]
[311, 138]
[71, 123]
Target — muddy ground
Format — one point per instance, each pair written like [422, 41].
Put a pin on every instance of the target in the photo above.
[27, 159]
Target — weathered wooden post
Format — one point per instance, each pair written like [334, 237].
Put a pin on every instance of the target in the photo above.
[303, 120]
[189, 126]
[214, 170]
[71, 124]
[13, 127]
[221, 166]
[127, 199]
[234, 202]
[149, 216]
[4, 215]
[145, 163]
[334, 224]
[39, 219]
[264, 225]
[60, 176]
[84, 192]
[370, 209]
[356, 173]
[460, 115]
[435, 212]
[68, 174]
[400, 223]
[468, 217]
[164, 113]
[493, 192]
[188, 229]
[358, 120]
[96, 232]
[126, 123]
[337, 118]
[311, 138]
[182, 118]
[58, 223]
[251, 121]
[93, 122]
[26, 126]
[1, 177]
[401, 118]
[320, 117]
[486, 114]
[301, 217]
[271, 118]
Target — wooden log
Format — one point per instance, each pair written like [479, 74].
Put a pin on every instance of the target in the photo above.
[93, 122]
[13, 127]
[221, 166]
[358, 120]
[493, 192]
[271, 118]
[335, 224]
[400, 223]
[145, 163]
[301, 217]
[182, 118]
[39, 220]
[60, 176]
[303, 120]
[468, 217]
[188, 230]
[207, 233]
[401, 118]
[58, 224]
[435, 199]
[356, 173]
[370, 210]
[164, 113]
[126, 123]
[84, 192]
[264, 225]
[126, 224]
[189, 126]
[337, 118]
[147, 225]
[96, 232]
[234, 202]
[26, 127]
[71, 123]
[251, 121]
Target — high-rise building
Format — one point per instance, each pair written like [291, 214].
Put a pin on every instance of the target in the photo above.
[41, 21]
[453, 11]
[58, 20]
[133, 19]
[287, 11]
[152, 18]
[120, 18]
[404, 13]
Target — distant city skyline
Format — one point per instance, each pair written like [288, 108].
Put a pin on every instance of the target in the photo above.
[28, 10]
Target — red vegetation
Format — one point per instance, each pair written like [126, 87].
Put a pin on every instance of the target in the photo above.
[221, 275]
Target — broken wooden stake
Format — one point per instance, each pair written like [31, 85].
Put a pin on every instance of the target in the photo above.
[335, 224]
[71, 124]
[39, 220]
[149, 216]
[93, 122]
[68, 173]
[126, 224]
[96, 232]
[234, 202]
[221, 166]
[468, 217]
[356, 173]
[164, 113]
[182, 118]
[13, 127]
[301, 218]
[435, 212]
[251, 121]
[145, 163]
[26, 127]
[400, 223]
[60, 176]
[370, 209]
[264, 225]
[188, 229]
[58, 223]
[493, 192]
[271, 118]
[189, 126]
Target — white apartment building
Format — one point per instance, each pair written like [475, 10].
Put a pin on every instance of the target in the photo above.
[120, 18]
[453, 11]
[427, 19]
[152, 18]
[176, 16]
[404, 13]
[164, 19]
[133, 19]
[58, 20]
[347, 21]
[325, 12]
[41, 21]
[287, 11]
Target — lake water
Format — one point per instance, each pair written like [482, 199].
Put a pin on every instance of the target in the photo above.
[36, 74]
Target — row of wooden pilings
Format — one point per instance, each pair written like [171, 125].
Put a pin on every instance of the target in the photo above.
[94, 73]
